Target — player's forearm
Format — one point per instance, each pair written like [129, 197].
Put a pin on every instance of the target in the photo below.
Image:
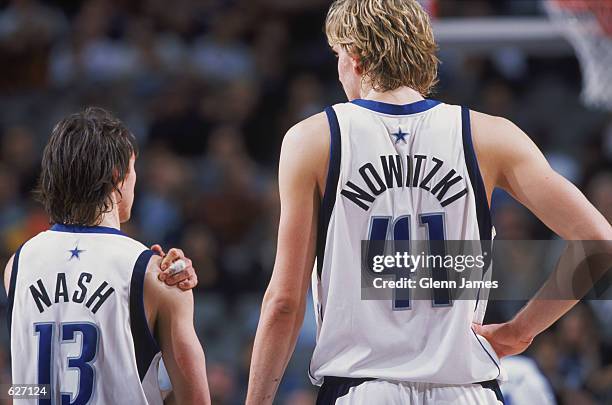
[196, 396]
[539, 315]
[195, 388]
[275, 341]
[581, 265]
[588, 224]
[186, 364]
[181, 349]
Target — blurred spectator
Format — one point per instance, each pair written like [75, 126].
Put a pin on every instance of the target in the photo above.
[27, 31]
[222, 386]
[156, 205]
[302, 396]
[20, 152]
[220, 54]
[599, 192]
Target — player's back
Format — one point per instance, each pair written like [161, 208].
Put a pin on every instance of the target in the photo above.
[77, 319]
[398, 172]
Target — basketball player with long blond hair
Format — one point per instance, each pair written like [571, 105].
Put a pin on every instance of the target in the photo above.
[392, 164]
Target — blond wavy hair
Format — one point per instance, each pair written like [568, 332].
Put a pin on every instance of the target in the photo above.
[393, 40]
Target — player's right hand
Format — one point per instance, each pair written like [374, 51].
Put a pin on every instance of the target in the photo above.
[505, 339]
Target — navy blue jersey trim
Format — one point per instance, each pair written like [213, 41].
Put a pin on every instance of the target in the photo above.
[145, 345]
[483, 213]
[85, 229]
[11, 290]
[337, 387]
[488, 354]
[396, 109]
[331, 185]
[493, 385]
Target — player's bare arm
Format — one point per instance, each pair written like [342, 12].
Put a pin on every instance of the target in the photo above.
[170, 315]
[302, 170]
[7, 273]
[511, 161]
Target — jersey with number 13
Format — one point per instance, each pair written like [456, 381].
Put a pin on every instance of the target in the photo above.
[77, 319]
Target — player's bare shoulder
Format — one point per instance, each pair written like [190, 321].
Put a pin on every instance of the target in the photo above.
[7, 273]
[501, 147]
[311, 133]
[157, 293]
[496, 140]
[153, 269]
[486, 125]
[495, 135]
[306, 147]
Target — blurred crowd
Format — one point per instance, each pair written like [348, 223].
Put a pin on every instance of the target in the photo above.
[209, 87]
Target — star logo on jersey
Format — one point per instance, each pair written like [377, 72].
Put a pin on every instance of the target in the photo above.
[76, 252]
[400, 136]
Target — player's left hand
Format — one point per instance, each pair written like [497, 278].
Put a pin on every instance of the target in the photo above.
[504, 337]
[186, 279]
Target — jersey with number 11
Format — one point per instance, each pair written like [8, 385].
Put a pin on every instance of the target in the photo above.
[398, 172]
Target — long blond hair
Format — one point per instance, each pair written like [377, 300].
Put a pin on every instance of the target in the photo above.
[393, 40]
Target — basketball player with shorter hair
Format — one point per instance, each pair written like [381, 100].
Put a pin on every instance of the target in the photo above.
[88, 315]
[391, 164]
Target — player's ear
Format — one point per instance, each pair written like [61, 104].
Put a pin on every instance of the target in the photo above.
[357, 64]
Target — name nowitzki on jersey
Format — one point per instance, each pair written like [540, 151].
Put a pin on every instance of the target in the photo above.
[417, 175]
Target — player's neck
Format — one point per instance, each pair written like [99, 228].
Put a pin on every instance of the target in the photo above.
[111, 219]
[401, 96]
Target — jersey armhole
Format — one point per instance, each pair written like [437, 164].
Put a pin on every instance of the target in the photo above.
[483, 213]
[11, 290]
[145, 345]
[331, 185]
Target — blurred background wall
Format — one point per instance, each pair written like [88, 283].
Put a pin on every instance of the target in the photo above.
[209, 87]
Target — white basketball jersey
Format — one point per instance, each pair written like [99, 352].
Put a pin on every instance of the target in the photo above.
[77, 319]
[412, 165]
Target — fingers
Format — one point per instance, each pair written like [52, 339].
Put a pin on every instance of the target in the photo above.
[503, 343]
[479, 329]
[173, 255]
[158, 249]
[186, 279]
[488, 331]
[190, 283]
[173, 279]
[178, 277]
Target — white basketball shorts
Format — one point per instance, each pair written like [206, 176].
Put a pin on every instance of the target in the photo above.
[366, 391]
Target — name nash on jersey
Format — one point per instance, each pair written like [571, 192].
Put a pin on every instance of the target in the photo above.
[79, 295]
[392, 175]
